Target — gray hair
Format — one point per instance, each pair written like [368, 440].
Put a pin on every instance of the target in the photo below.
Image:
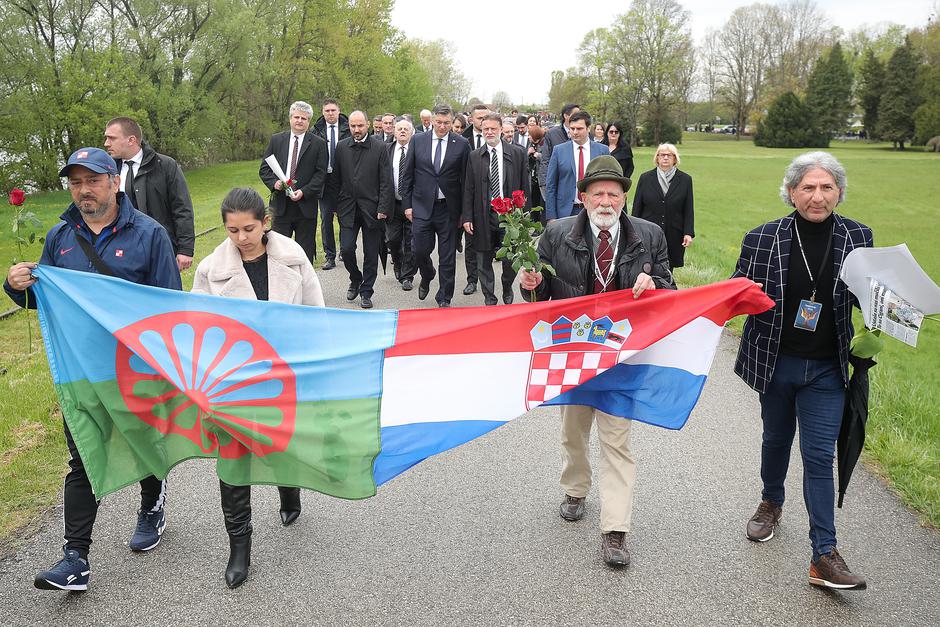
[802, 164]
[400, 119]
[300, 105]
[424, 112]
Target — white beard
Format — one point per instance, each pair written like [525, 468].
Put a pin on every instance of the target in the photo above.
[603, 220]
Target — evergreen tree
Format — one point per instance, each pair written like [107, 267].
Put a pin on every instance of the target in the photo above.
[899, 100]
[829, 92]
[789, 123]
[870, 89]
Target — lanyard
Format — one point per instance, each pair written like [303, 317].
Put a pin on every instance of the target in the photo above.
[605, 281]
[812, 279]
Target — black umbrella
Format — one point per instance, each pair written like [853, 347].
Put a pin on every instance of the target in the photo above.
[383, 253]
[854, 417]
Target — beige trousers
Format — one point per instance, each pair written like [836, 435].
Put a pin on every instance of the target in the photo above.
[618, 468]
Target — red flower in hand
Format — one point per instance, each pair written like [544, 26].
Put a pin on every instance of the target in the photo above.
[501, 205]
[17, 197]
[518, 199]
[289, 182]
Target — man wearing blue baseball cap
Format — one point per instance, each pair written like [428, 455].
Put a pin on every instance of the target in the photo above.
[99, 232]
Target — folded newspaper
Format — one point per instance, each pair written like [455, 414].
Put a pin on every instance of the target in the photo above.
[893, 291]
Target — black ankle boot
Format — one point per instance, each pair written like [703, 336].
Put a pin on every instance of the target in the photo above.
[239, 559]
[236, 508]
[290, 504]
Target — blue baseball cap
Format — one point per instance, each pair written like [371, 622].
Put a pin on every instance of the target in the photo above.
[95, 159]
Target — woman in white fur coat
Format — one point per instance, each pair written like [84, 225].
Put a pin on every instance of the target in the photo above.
[254, 263]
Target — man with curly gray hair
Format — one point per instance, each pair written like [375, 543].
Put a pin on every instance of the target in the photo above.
[796, 355]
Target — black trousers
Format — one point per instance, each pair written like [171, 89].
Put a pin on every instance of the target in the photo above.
[398, 236]
[469, 255]
[294, 224]
[371, 245]
[81, 507]
[424, 231]
[488, 277]
[327, 211]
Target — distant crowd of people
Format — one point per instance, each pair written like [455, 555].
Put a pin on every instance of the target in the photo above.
[409, 190]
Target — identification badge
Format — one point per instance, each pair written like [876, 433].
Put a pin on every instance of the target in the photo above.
[807, 316]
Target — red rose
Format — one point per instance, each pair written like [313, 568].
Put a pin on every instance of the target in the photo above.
[17, 196]
[289, 182]
[501, 205]
[518, 199]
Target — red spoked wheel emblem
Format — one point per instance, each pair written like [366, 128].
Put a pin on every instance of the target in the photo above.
[208, 378]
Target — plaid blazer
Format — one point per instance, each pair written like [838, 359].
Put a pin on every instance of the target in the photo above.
[765, 258]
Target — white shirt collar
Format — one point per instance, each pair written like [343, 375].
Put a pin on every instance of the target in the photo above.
[136, 158]
[614, 230]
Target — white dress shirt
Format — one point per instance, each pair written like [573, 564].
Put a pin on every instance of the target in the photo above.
[290, 150]
[499, 160]
[587, 160]
[396, 157]
[133, 161]
[434, 142]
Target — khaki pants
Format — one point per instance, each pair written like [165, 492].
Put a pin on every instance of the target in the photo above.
[618, 468]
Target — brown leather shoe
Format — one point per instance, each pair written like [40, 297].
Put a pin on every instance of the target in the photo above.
[613, 550]
[831, 571]
[760, 528]
[572, 508]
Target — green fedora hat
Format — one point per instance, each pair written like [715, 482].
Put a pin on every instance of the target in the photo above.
[604, 168]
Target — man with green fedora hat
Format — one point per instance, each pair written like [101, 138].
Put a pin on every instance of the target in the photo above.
[600, 249]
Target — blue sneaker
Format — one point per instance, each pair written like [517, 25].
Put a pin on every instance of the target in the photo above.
[150, 526]
[70, 573]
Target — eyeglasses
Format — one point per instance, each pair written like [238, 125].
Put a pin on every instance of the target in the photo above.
[613, 131]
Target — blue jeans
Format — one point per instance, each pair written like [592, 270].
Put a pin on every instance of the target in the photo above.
[812, 393]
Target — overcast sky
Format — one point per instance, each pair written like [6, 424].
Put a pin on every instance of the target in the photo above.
[546, 39]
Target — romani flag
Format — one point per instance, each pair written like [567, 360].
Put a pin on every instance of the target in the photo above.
[342, 401]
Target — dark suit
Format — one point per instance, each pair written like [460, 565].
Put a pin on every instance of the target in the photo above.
[330, 196]
[297, 218]
[553, 136]
[469, 253]
[432, 216]
[365, 190]
[487, 234]
[526, 142]
[398, 227]
[673, 212]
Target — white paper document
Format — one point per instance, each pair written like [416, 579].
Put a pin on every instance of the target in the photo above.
[893, 291]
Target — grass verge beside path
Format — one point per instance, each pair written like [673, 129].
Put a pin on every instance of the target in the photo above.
[736, 188]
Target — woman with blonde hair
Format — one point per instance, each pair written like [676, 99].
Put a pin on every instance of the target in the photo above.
[664, 197]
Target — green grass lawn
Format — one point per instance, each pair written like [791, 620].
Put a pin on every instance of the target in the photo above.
[736, 188]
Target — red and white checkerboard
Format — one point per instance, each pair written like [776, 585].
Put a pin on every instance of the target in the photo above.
[553, 373]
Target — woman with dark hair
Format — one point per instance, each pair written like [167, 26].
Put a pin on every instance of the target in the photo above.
[619, 145]
[598, 133]
[664, 197]
[460, 124]
[254, 263]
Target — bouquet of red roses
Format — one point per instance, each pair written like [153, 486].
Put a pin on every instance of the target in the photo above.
[521, 234]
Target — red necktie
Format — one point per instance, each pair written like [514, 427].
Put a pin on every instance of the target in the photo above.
[581, 165]
[605, 256]
[293, 159]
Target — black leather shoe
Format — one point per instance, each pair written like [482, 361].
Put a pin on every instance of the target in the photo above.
[423, 288]
[407, 285]
[239, 559]
[290, 504]
[352, 292]
[444, 303]
[490, 302]
[470, 289]
[572, 508]
[507, 297]
[329, 264]
[366, 303]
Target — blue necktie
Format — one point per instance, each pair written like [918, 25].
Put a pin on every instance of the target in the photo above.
[437, 155]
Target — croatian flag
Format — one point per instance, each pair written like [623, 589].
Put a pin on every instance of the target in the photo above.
[342, 401]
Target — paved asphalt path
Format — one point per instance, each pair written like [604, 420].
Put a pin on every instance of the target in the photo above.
[472, 536]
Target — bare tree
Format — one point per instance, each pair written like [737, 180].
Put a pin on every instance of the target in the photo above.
[740, 60]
